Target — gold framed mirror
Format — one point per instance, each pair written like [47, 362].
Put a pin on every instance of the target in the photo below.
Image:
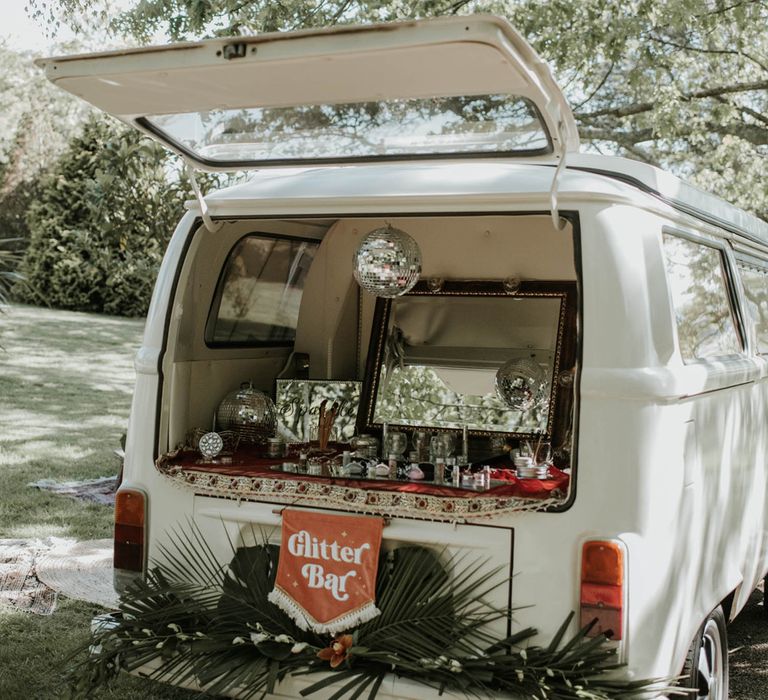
[435, 352]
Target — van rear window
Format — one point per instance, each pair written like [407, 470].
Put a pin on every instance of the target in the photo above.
[755, 282]
[259, 292]
[705, 323]
[395, 128]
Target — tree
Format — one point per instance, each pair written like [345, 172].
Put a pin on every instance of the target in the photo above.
[681, 83]
[8, 275]
[36, 119]
[101, 222]
[35, 122]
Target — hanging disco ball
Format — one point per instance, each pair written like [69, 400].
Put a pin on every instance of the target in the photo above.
[387, 262]
[521, 384]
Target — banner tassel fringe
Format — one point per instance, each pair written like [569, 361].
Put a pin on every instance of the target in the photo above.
[305, 622]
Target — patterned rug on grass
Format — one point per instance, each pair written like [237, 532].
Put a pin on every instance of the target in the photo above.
[80, 570]
[20, 588]
[101, 490]
[34, 572]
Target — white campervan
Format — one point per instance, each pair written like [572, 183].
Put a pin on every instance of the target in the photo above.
[562, 365]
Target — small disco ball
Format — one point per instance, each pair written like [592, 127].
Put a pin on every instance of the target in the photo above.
[521, 384]
[249, 413]
[387, 262]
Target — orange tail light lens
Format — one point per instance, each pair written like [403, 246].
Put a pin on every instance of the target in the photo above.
[130, 517]
[602, 587]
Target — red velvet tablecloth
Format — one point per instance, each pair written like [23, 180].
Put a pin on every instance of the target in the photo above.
[504, 484]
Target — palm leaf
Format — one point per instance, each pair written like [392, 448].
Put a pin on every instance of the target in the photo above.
[195, 617]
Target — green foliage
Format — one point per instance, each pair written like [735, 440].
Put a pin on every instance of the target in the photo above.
[682, 84]
[417, 395]
[36, 122]
[8, 275]
[14, 204]
[216, 627]
[101, 221]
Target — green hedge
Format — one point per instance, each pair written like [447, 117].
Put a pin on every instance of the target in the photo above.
[101, 221]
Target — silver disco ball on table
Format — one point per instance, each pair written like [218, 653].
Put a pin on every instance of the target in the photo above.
[248, 412]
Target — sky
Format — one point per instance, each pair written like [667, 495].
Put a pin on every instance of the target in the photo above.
[22, 34]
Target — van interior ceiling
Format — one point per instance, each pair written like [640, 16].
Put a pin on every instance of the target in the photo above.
[333, 317]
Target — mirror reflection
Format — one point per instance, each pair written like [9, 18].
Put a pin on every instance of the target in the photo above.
[441, 355]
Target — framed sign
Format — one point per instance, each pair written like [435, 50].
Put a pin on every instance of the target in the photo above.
[298, 404]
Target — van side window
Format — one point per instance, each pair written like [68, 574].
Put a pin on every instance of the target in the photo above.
[705, 323]
[755, 282]
[259, 292]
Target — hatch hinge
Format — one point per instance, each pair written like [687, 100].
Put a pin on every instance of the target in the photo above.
[237, 50]
[210, 224]
[557, 221]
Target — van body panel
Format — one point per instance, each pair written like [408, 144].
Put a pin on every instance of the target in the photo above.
[663, 477]
[586, 177]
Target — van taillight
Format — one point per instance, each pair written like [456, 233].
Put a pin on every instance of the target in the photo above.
[130, 510]
[602, 587]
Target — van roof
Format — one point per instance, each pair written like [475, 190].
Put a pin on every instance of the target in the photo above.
[495, 183]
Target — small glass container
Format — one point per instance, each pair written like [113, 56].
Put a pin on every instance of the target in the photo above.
[421, 444]
[275, 447]
[354, 469]
[315, 469]
[542, 453]
[442, 444]
[365, 446]
[523, 461]
[440, 470]
[392, 462]
[395, 443]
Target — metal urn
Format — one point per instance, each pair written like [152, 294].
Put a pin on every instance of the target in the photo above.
[248, 412]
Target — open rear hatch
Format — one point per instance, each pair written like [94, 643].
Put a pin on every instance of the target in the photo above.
[446, 87]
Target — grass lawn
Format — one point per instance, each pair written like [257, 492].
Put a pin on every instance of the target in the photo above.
[65, 391]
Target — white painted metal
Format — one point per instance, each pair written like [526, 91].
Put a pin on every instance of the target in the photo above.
[429, 58]
[672, 457]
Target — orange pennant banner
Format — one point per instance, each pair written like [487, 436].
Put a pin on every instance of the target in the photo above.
[326, 574]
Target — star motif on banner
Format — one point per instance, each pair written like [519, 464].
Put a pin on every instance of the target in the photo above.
[295, 584]
[343, 533]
